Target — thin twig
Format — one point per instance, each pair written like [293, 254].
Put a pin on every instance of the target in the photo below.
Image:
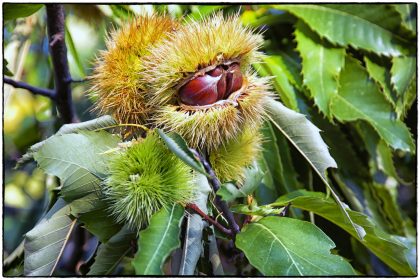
[197, 210]
[220, 203]
[35, 90]
[58, 49]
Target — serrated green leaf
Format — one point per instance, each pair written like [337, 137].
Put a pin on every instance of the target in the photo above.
[158, 240]
[14, 10]
[382, 77]
[403, 71]
[111, 253]
[408, 16]
[307, 140]
[321, 65]
[344, 28]
[76, 159]
[180, 148]
[360, 99]
[193, 247]
[383, 245]
[101, 122]
[45, 243]
[405, 103]
[290, 247]
[275, 67]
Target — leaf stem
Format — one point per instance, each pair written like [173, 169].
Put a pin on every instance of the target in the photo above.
[123, 124]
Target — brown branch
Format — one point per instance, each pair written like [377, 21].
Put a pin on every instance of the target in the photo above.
[219, 202]
[35, 90]
[203, 215]
[58, 50]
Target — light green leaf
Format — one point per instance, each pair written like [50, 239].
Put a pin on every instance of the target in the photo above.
[321, 65]
[403, 71]
[76, 159]
[193, 247]
[91, 210]
[307, 140]
[344, 28]
[359, 98]
[383, 245]
[274, 66]
[179, 147]
[382, 77]
[74, 52]
[408, 15]
[262, 210]
[14, 10]
[290, 247]
[405, 103]
[101, 122]
[253, 177]
[158, 240]
[45, 243]
[111, 253]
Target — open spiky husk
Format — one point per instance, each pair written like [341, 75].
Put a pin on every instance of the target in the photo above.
[116, 85]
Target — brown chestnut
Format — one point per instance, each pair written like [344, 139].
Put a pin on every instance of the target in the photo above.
[214, 85]
[200, 91]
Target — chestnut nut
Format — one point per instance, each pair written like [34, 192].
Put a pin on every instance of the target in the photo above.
[214, 85]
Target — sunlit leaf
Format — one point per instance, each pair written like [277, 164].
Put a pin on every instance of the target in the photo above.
[344, 28]
[44, 244]
[360, 98]
[321, 65]
[290, 247]
[383, 245]
[403, 70]
[158, 240]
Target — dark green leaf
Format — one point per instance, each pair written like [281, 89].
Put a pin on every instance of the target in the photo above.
[344, 28]
[360, 98]
[289, 247]
[44, 244]
[6, 70]
[307, 140]
[158, 240]
[111, 253]
[179, 147]
[383, 245]
[14, 10]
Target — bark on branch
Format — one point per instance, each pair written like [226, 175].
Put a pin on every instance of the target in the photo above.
[35, 90]
[58, 50]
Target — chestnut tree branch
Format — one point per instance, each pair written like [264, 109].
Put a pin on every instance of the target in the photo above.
[203, 215]
[35, 90]
[58, 50]
[219, 202]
